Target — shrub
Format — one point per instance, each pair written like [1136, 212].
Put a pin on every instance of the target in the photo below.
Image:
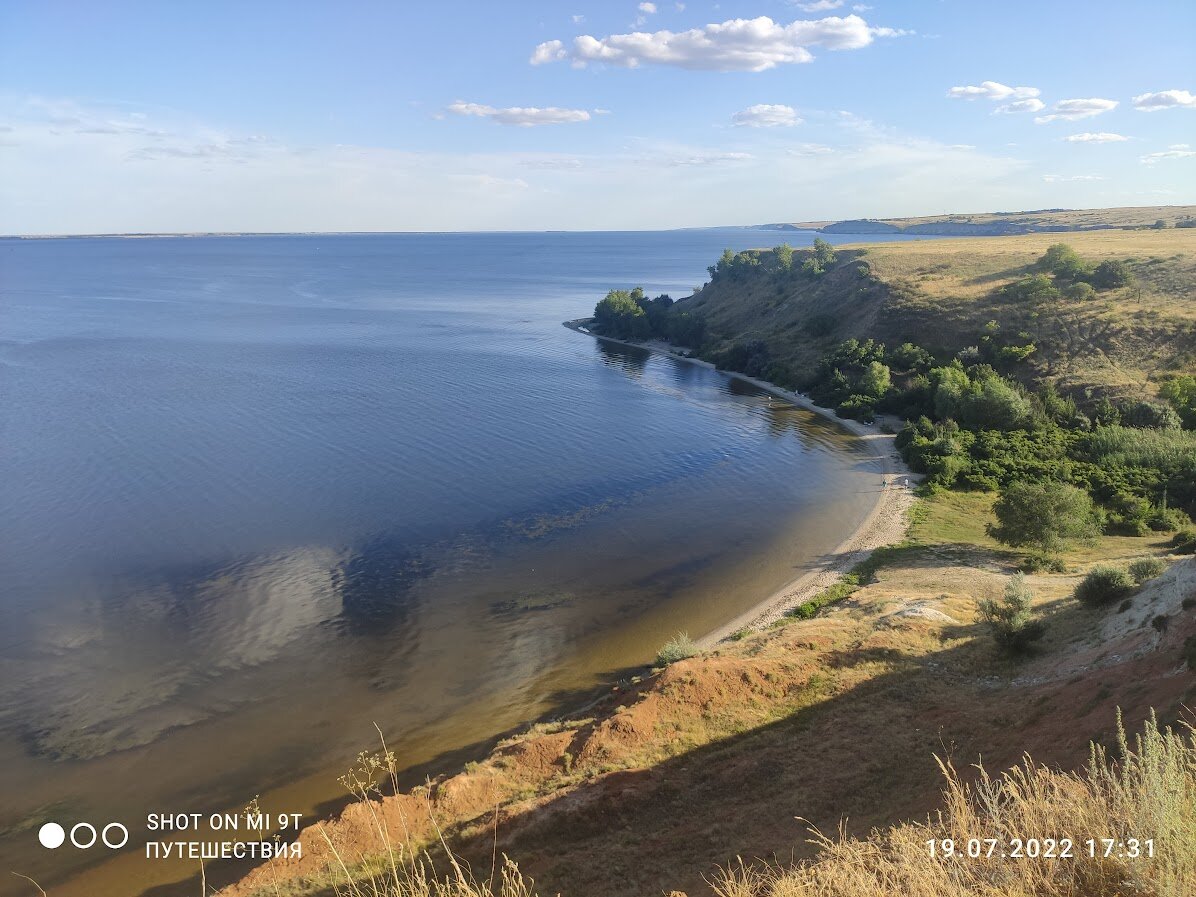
[857, 408]
[1079, 292]
[1103, 584]
[1184, 541]
[1111, 274]
[1150, 416]
[1147, 568]
[1035, 288]
[677, 648]
[1167, 520]
[1009, 619]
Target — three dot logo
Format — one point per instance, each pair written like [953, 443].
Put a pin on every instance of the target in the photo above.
[83, 835]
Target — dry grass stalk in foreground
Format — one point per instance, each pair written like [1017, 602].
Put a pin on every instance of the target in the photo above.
[404, 870]
[1149, 792]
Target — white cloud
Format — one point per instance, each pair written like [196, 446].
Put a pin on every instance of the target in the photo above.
[765, 115]
[522, 116]
[1073, 110]
[1056, 178]
[57, 180]
[647, 8]
[1095, 137]
[809, 149]
[1031, 105]
[737, 45]
[993, 90]
[820, 5]
[700, 158]
[1165, 99]
[578, 19]
[1173, 153]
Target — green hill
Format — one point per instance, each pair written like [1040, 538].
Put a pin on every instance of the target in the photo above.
[943, 294]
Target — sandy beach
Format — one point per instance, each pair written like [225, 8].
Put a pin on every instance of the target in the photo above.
[886, 523]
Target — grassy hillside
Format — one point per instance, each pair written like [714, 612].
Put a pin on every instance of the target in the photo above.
[942, 293]
[1012, 222]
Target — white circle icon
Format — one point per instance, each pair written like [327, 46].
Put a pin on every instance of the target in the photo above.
[51, 835]
[109, 827]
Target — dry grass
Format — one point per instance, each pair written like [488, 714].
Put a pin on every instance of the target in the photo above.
[1149, 792]
[968, 267]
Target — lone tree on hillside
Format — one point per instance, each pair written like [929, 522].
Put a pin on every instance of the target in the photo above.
[784, 254]
[1044, 517]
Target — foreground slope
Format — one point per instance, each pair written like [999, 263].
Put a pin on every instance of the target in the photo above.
[831, 719]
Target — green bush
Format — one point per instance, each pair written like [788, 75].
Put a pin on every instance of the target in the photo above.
[1147, 568]
[1111, 274]
[1167, 520]
[857, 408]
[677, 648]
[1009, 619]
[1184, 541]
[1105, 583]
[1079, 292]
[1035, 288]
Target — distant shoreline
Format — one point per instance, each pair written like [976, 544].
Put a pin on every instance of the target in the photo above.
[885, 524]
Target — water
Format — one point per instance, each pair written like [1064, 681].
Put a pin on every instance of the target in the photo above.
[259, 493]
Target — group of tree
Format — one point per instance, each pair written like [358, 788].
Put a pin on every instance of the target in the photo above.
[1071, 277]
[630, 314]
[779, 261]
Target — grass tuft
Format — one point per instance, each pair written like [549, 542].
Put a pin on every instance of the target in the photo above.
[679, 647]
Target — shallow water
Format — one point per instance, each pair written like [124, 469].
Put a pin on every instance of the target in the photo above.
[261, 492]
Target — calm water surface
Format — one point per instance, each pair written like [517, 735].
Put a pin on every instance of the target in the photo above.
[259, 493]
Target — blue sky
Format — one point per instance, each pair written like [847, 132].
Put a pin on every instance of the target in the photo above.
[304, 116]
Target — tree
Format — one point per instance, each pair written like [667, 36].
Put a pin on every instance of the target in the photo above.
[784, 254]
[875, 380]
[1009, 619]
[1181, 393]
[1046, 517]
[824, 253]
[621, 316]
[1112, 274]
[908, 357]
[1062, 261]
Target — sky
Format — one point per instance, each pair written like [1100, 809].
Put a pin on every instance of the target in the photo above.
[565, 114]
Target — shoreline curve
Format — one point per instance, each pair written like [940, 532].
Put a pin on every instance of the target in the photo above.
[886, 524]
